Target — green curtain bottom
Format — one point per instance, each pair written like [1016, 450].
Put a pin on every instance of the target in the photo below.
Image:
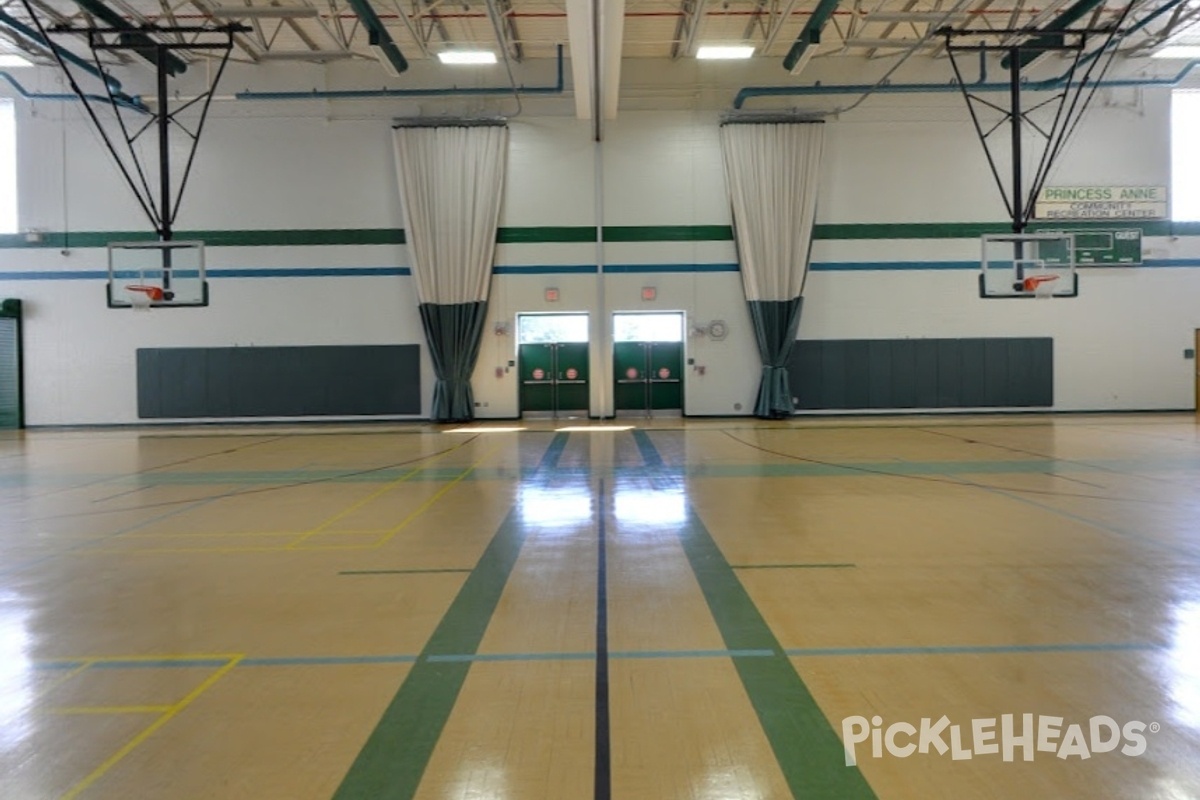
[453, 332]
[775, 325]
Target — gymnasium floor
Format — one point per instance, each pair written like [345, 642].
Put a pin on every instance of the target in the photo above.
[682, 610]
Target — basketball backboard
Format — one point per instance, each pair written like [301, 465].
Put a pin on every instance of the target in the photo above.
[156, 274]
[1028, 265]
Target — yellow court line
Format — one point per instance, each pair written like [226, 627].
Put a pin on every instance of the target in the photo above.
[224, 550]
[178, 657]
[437, 496]
[388, 533]
[368, 499]
[111, 710]
[167, 716]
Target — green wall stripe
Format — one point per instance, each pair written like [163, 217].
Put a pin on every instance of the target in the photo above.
[546, 235]
[391, 763]
[668, 233]
[808, 750]
[582, 234]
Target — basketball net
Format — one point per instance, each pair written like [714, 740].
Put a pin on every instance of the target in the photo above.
[1042, 286]
[141, 298]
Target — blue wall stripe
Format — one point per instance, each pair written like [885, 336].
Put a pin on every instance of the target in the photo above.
[308, 272]
[571, 269]
[547, 269]
[643, 268]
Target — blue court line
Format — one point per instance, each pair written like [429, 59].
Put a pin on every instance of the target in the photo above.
[165, 663]
[90, 542]
[553, 452]
[641, 654]
[943, 650]
[320, 661]
[351, 660]
[602, 781]
[1168, 548]
[458, 658]
[646, 447]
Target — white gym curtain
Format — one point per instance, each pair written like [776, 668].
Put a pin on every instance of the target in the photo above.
[772, 172]
[451, 184]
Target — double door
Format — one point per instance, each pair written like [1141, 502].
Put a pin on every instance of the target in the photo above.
[554, 377]
[648, 376]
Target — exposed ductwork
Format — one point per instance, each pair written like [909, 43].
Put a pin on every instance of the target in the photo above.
[131, 36]
[30, 34]
[380, 40]
[810, 36]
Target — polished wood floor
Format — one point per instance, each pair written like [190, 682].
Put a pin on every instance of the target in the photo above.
[705, 610]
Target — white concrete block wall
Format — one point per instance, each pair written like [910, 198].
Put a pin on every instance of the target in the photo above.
[906, 159]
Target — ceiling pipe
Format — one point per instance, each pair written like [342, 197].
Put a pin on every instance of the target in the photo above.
[379, 39]
[810, 37]
[930, 88]
[146, 48]
[121, 99]
[366, 94]
[26, 32]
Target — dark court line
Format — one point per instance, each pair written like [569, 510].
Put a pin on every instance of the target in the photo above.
[650, 454]
[793, 566]
[554, 452]
[398, 571]
[392, 761]
[603, 763]
[806, 747]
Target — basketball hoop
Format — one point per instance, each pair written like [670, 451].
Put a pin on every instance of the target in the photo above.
[1039, 285]
[142, 297]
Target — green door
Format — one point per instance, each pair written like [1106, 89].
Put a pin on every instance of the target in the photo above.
[10, 364]
[665, 374]
[648, 376]
[535, 366]
[571, 376]
[554, 377]
[631, 388]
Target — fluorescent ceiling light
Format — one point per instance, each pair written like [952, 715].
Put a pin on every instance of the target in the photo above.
[14, 60]
[710, 51]
[467, 57]
[1178, 51]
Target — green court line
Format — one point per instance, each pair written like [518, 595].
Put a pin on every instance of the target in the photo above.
[793, 566]
[807, 748]
[391, 763]
[398, 571]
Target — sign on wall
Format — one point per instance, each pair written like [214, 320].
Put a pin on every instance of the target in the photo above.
[1102, 202]
[1096, 247]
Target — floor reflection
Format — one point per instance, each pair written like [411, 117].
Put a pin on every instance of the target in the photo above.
[16, 671]
[1184, 666]
[637, 505]
[555, 506]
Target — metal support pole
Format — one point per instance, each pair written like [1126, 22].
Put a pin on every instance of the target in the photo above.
[165, 231]
[1015, 122]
